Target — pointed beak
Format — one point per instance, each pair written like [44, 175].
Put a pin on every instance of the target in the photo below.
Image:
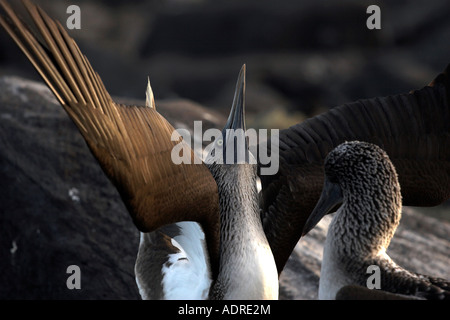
[236, 119]
[331, 197]
[235, 126]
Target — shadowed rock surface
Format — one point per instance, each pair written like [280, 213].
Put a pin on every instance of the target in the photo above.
[57, 209]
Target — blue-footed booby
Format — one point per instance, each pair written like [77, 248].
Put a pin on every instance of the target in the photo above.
[172, 262]
[361, 176]
[133, 146]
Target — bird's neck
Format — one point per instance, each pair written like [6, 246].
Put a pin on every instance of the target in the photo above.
[247, 267]
[368, 218]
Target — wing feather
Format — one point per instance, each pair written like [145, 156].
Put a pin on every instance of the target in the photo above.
[132, 144]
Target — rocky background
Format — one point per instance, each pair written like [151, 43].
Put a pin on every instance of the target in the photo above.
[56, 206]
[302, 56]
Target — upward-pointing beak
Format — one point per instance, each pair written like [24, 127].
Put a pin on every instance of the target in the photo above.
[234, 131]
[236, 119]
[331, 196]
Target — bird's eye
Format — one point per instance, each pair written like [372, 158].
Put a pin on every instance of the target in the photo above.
[220, 142]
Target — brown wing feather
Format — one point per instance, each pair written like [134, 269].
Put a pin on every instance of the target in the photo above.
[132, 144]
[413, 128]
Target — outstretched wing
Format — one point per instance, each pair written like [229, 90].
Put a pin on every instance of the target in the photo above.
[132, 144]
[413, 128]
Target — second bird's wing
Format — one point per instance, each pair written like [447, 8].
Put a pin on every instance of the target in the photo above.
[413, 128]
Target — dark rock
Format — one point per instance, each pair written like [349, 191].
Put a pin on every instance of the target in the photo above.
[57, 207]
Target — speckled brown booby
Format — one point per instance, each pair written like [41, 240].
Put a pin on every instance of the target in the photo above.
[361, 176]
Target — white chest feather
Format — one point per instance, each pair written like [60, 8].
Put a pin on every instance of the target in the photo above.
[186, 274]
[331, 276]
[252, 275]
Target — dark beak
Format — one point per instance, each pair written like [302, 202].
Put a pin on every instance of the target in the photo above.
[331, 197]
[236, 121]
